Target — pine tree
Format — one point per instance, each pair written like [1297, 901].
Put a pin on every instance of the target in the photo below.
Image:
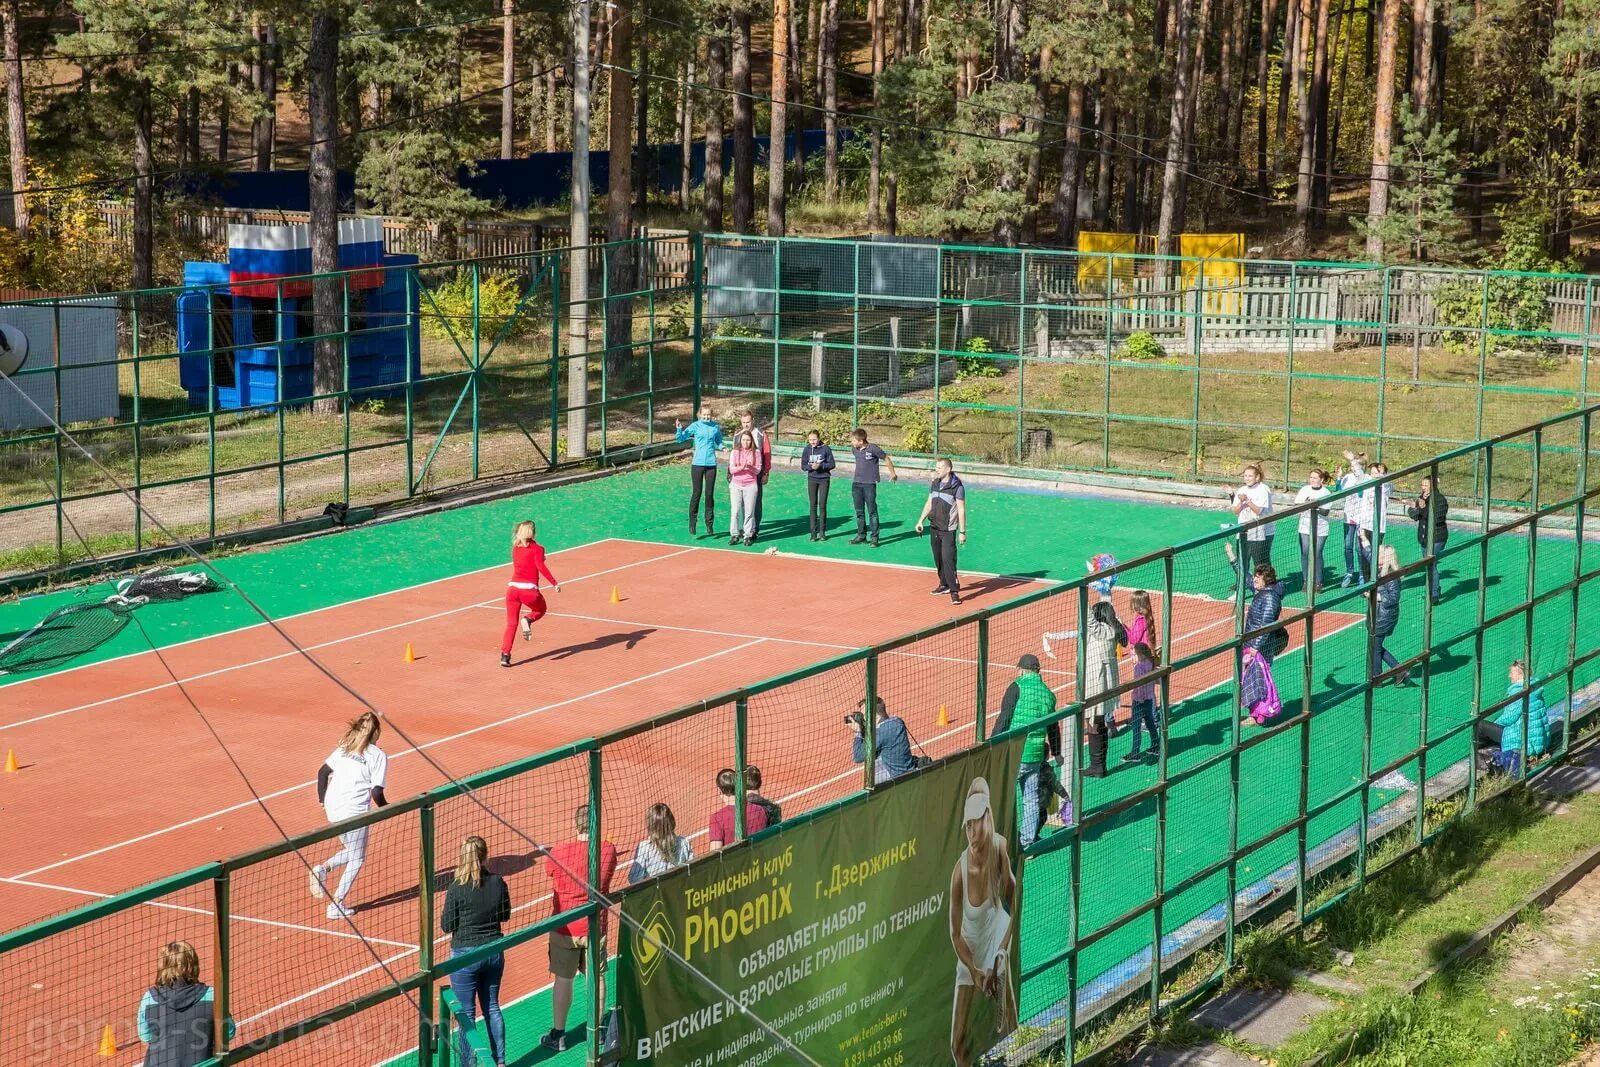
[1424, 174]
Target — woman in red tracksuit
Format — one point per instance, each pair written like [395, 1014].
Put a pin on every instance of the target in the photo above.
[527, 564]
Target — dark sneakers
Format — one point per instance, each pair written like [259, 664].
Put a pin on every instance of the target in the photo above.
[505, 659]
[939, 590]
[859, 539]
[555, 1041]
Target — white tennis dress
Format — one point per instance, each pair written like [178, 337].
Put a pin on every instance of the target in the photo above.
[983, 928]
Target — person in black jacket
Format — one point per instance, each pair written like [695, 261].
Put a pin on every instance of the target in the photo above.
[176, 1015]
[1431, 506]
[816, 459]
[475, 906]
[1264, 611]
[1386, 614]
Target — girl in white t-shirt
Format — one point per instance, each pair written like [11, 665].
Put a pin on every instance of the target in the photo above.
[1251, 501]
[1353, 506]
[348, 785]
[1313, 527]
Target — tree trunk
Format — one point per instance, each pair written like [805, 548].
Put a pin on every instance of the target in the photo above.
[797, 90]
[1263, 69]
[711, 194]
[779, 134]
[322, 105]
[1422, 20]
[1322, 59]
[814, 49]
[643, 163]
[1197, 82]
[144, 181]
[16, 118]
[686, 135]
[1382, 128]
[552, 104]
[191, 106]
[1066, 202]
[1289, 71]
[875, 160]
[1106, 129]
[1177, 132]
[577, 301]
[1311, 10]
[1030, 195]
[225, 116]
[1475, 169]
[619, 193]
[264, 130]
[508, 77]
[830, 102]
[744, 128]
[1225, 78]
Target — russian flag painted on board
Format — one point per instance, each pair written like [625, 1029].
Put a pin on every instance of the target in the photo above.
[260, 255]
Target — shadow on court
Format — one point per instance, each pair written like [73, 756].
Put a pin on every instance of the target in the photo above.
[628, 639]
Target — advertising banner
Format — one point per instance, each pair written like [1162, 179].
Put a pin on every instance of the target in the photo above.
[878, 935]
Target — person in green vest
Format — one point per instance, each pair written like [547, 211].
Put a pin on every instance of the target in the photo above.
[1035, 703]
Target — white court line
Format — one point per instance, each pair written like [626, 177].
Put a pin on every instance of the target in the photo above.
[296, 615]
[292, 653]
[398, 755]
[207, 911]
[852, 772]
[336, 983]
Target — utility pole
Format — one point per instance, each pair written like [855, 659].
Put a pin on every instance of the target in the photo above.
[578, 265]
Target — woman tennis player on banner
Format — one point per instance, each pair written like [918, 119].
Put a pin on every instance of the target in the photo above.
[527, 564]
[982, 903]
[349, 784]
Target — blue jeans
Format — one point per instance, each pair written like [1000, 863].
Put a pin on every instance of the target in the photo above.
[1382, 657]
[1032, 815]
[1352, 541]
[475, 985]
[1248, 556]
[1311, 558]
[1433, 572]
[1508, 761]
[1144, 714]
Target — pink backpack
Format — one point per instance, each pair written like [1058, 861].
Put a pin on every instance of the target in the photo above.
[1268, 706]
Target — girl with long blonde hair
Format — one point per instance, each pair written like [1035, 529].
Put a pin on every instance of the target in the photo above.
[476, 906]
[349, 784]
[662, 849]
[522, 592]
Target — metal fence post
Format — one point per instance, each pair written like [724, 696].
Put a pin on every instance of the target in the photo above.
[741, 728]
[1383, 364]
[555, 359]
[477, 365]
[869, 723]
[425, 911]
[222, 961]
[981, 726]
[593, 952]
[697, 273]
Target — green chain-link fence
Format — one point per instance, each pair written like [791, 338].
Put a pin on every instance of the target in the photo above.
[1135, 902]
[207, 402]
[1138, 364]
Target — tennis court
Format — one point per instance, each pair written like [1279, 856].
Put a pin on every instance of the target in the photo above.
[123, 782]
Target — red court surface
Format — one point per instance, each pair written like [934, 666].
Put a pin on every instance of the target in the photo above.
[125, 782]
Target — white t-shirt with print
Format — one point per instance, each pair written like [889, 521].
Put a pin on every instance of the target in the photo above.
[1306, 494]
[1258, 502]
[355, 776]
[1355, 505]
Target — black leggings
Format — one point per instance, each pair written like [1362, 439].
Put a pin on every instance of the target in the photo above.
[703, 478]
[817, 489]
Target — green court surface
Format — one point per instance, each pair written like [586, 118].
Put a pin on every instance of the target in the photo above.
[1041, 535]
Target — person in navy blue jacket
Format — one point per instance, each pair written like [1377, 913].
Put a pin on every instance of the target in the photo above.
[816, 459]
[706, 433]
[177, 1016]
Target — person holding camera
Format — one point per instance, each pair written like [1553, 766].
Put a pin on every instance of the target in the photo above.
[892, 742]
[1431, 509]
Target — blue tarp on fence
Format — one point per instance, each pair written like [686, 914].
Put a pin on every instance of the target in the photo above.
[540, 179]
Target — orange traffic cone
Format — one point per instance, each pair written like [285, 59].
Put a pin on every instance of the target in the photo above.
[411, 657]
[11, 761]
[108, 1042]
[616, 597]
[944, 715]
